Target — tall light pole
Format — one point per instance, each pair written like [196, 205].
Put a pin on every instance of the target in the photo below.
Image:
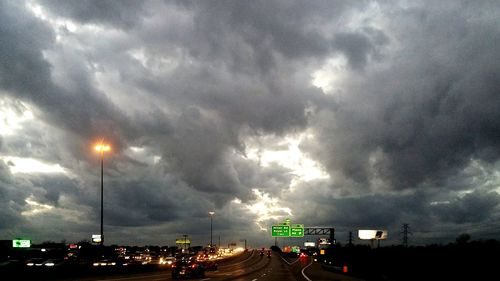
[211, 213]
[102, 148]
[185, 241]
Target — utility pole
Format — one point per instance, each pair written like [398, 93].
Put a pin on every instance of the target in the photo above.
[185, 241]
[102, 148]
[350, 239]
[405, 233]
[211, 213]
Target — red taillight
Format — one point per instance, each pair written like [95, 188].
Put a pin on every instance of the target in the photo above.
[173, 265]
[193, 266]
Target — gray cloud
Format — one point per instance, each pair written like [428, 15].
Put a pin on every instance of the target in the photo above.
[429, 113]
[473, 207]
[359, 47]
[187, 84]
[124, 14]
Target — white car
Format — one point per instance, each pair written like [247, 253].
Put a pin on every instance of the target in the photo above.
[167, 260]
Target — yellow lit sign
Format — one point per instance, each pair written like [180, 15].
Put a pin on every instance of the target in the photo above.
[182, 241]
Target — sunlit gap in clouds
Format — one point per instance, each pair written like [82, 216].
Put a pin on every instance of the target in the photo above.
[11, 119]
[289, 156]
[31, 165]
[35, 207]
[265, 209]
[331, 75]
[13, 116]
[143, 155]
[58, 22]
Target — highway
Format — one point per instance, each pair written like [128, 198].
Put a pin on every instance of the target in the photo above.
[248, 266]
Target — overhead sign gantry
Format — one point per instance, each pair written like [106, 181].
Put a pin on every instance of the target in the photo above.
[287, 229]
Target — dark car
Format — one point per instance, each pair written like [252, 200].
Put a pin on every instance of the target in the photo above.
[209, 265]
[268, 253]
[188, 268]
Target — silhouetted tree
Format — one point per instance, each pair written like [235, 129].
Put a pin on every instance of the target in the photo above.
[463, 238]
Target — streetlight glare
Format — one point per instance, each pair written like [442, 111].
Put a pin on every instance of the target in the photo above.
[102, 147]
[211, 213]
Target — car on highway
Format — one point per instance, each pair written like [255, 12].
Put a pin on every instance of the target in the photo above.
[209, 265]
[188, 267]
[35, 262]
[167, 260]
[268, 253]
[104, 262]
[51, 263]
[262, 251]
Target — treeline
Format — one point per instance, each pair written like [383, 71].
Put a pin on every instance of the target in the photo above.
[462, 260]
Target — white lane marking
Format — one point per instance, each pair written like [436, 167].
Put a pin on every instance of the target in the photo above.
[290, 263]
[303, 273]
[205, 279]
[127, 278]
[254, 279]
[225, 265]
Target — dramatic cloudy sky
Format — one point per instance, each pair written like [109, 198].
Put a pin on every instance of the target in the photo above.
[345, 114]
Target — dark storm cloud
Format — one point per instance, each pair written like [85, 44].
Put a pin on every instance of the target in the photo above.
[199, 146]
[196, 79]
[21, 64]
[140, 202]
[270, 179]
[26, 74]
[124, 13]
[196, 152]
[473, 207]
[286, 27]
[8, 199]
[359, 47]
[429, 113]
[53, 187]
[379, 211]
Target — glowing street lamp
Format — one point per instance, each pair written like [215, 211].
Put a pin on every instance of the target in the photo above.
[211, 213]
[102, 148]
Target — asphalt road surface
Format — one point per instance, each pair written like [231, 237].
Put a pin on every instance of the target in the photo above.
[248, 266]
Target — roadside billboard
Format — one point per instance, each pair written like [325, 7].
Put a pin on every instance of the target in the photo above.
[309, 244]
[365, 234]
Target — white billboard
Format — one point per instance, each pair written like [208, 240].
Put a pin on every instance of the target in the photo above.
[96, 238]
[309, 244]
[372, 234]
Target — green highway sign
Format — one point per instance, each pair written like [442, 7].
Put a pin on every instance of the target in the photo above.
[297, 230]
[280, 231]
[21, 243]
[287, 230]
